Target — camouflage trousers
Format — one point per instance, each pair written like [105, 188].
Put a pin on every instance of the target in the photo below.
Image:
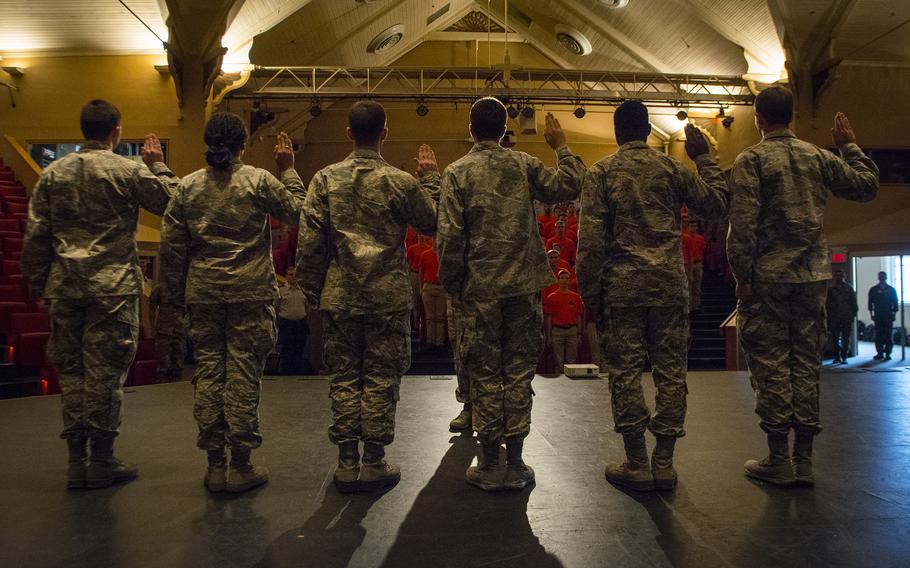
[499, 347]
[365, 356]
[92, 344]
[463, 388]
[232, 342]
[782, 331]
[628, 335]
[170, 354]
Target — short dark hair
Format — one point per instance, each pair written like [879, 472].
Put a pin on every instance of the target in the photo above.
[488, 119]
[367, 121]
[225, 135]
[775, 104]
[98, 118]
[631, 121]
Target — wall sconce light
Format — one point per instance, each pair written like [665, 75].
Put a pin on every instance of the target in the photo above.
[14, 71]
[163, 69]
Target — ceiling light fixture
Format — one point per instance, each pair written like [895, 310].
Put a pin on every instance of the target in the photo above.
[528, 112]
[579, 112]
[386, 39]
[422, 109]
[728, 121]
[682, 116]
[573, 40]
[315, 109]
[513, 112]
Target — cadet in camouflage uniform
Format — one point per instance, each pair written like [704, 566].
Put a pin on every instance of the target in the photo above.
[170, 339]
[840, 304]
[461, 422]
[777, 249]
[493, 267]
[216, 260]
[631, 278]
[80, 257]
[351, 263]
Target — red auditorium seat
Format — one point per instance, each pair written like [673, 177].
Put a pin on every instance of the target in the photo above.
[8, 308]
[11, 293]
[33, 322]
[50, 375]
[7, 175]
[142, 373]
[12, 245]
[10, 234]
[10, 226]
[23, 222]
[11, 267]
[145, 351]
[13, 191]
[30, 348]
[17, 208]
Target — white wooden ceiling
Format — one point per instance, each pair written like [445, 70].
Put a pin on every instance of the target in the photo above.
[678, 36]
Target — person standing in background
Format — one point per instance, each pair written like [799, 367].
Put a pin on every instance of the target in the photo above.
[564, 314]
[434, 297]
[841, 308]
[883, 305]
[293, 328]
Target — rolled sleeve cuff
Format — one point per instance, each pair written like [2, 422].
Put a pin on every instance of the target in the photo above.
[565, 152]
[290, 174]
[431, 176]
[161, 169]
[851, 148]
[704, 160]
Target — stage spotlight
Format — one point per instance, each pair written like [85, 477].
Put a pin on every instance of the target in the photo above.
[422, 109]
[682, 116]
[727, 121]
[579, 112]
[528, 112]
[315, 109]
[513, 112]
[721, 113]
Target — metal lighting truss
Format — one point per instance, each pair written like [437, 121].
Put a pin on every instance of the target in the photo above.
[466, 84]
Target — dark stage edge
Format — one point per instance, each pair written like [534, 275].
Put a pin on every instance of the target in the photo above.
[857, 515]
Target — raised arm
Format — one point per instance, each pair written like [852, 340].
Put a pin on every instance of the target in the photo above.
[420, 200]
[855, 177]
[705, 193]
[592, 246]
[38, 248]
[313, 243]
[154, 186]
[283, 199]
[563, 183]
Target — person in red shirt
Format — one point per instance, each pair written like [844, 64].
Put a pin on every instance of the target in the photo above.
[565, 242]
[546, 218]
[434, 297]
[410, 238]
[414, 252]
[571, 216]
[564, 310]
[696, 257]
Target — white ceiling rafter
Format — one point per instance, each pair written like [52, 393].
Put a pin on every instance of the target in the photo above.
[531, 36]
[817, 46]
[645, 57]
[440, 24]
[764, 60]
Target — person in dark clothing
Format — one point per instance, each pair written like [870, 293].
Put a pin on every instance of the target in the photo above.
[841, 307]
[882, 307]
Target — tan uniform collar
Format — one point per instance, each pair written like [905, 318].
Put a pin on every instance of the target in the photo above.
[362, 153]
[486, 145]
[634, 145]
[783, 133]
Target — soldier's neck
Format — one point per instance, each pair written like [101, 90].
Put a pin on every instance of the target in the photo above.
[372, 148]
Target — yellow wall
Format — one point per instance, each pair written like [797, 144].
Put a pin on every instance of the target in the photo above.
[466, 53]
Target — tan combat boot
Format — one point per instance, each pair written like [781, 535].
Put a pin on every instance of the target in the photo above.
[348, 469]
[215, 479]
[486, 475]
[662, 463]
[518, 474]
[802, 457]
[775, 468]
[242, 475]
[461, 422]
[78, 463]
[104, 469]
[376, 474]
[634, 473]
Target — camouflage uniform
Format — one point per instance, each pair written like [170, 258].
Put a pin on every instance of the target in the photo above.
[776, 242]
[463, 388]
[840, 304]
[351, 263]
[80, 254]
[170, 339]
[630, 272]
[216, 258]
[492, 266]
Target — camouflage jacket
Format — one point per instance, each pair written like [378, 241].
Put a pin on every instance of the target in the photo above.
[350, 252]
[841, 303]
[216, 242]
[488, 241]
[629, 242]
[81, 236]
[778, 191]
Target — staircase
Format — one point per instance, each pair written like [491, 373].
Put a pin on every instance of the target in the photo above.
[718, 300]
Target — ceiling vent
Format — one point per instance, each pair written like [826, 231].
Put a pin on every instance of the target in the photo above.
[573, 40]
[615, 3]
[386, 39]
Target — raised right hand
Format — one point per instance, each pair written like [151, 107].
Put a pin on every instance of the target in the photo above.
[553, 133]
[284, 152]
[842, 133]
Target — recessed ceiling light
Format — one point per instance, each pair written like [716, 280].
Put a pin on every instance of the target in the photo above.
[573, 40]
[387, 39]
